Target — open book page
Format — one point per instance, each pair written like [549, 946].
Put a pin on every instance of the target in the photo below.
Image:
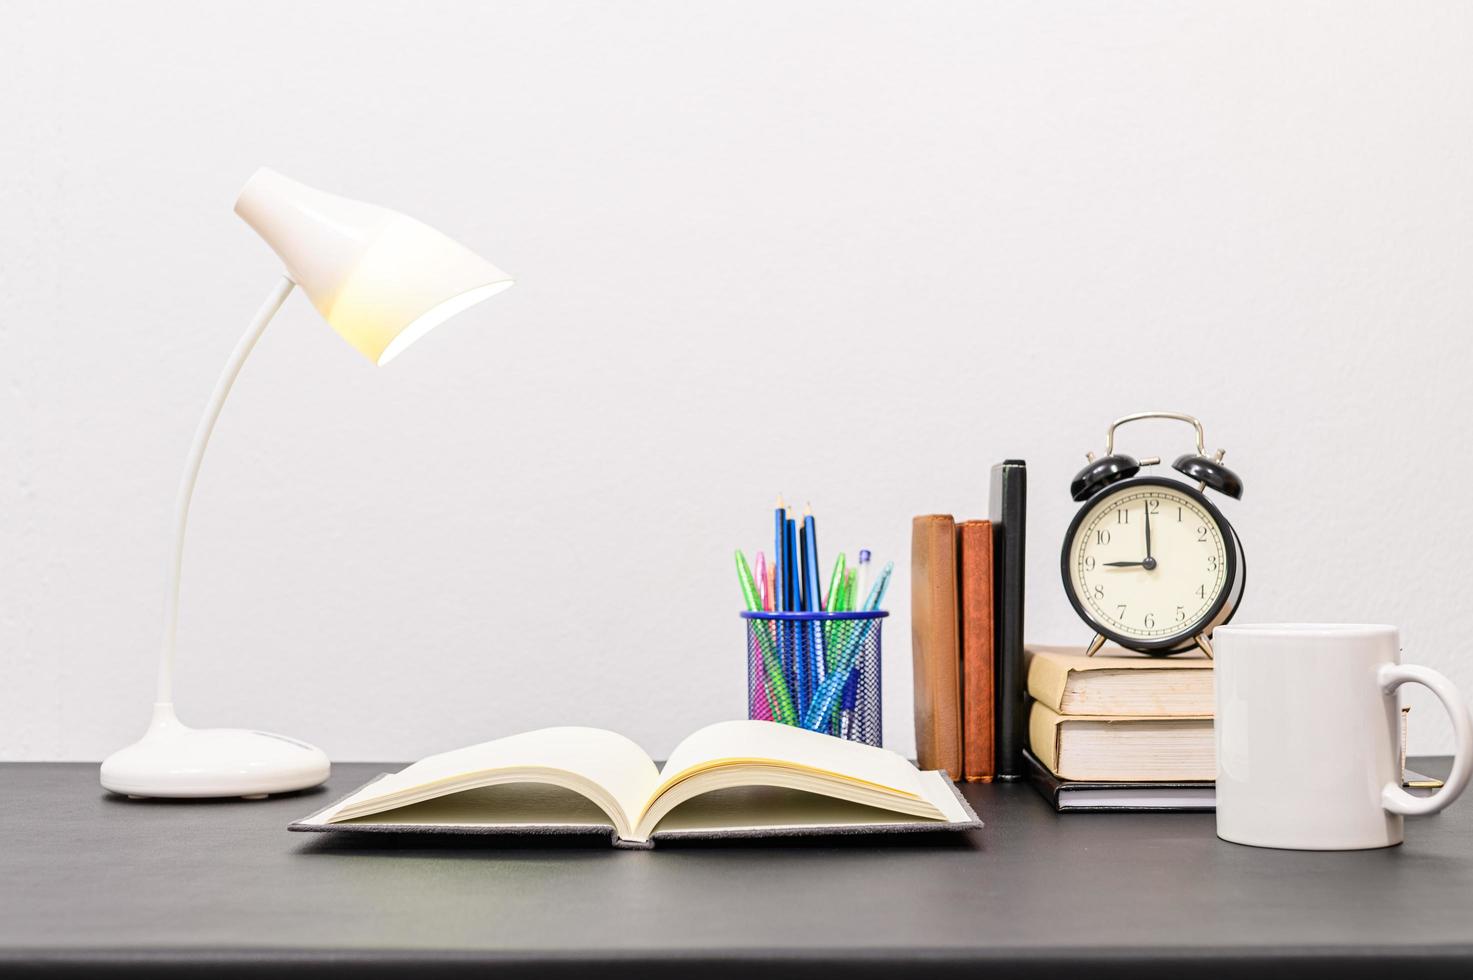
[759, 742]
[759, 811]
[748, 754]
[607, 768]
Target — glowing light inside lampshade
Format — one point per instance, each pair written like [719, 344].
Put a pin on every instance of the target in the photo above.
[380, 278]
[435, 316]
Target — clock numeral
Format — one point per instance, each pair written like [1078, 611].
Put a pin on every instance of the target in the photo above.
[1121, 607]
[1201, 592]
[1089, 563]
[1122, 516]
[1178, 515]
[1181, 614]
[1149, 622]
[1212, 563]
[1202, 535]
[1102, 537]
[1153, 507]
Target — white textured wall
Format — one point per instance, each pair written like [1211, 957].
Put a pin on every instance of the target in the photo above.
[850, 251]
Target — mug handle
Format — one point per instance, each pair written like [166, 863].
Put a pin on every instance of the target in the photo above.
[1398, 800]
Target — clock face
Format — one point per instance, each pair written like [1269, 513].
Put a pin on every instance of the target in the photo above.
[1149, 563]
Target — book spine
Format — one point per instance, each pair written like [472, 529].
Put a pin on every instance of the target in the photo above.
[1047, 784]
[974, 589]
[1008, 510]
[1043, 736]
[934, 651]
[1047, 681]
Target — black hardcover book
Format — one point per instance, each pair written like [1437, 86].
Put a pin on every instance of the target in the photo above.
[1008, 506]
[1086, 796]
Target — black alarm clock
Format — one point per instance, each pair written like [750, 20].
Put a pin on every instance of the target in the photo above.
[1149, 561]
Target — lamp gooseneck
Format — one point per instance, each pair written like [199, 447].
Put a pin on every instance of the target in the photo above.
[165, 694]
[172, 759]
[381, 279]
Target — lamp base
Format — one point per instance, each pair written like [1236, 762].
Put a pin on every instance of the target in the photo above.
[172, 760]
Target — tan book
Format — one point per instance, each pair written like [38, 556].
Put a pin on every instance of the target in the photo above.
[935, 654]
[1117, 682]
[1114, 748]
[974, 606]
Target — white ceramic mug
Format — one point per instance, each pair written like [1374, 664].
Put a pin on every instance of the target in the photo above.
[1308, 744]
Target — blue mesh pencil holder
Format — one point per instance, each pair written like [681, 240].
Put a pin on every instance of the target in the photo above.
[816, 670]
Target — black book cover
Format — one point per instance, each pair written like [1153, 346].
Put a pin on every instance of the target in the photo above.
[1087, 796]
[1008, 506]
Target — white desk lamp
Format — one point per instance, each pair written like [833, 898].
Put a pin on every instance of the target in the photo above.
[382, 280]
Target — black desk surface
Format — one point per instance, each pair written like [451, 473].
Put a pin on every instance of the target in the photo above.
[91, 882]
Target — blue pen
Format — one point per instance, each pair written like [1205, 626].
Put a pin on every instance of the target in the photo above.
[813, 592]
[816, 715]
[795, 642]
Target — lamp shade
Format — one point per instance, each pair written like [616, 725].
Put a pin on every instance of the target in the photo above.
[380, 278]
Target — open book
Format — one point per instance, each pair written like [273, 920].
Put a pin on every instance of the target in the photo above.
[735, 778]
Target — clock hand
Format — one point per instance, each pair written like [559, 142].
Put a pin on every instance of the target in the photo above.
[1125, 564]
[1146, 505]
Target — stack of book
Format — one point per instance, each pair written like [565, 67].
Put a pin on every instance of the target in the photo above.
[952, 620]
[966, 607]
[1120, 730]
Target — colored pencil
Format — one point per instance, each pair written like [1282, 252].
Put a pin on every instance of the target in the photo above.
[797, 672]
[805, 585]
[761, 707]
[777, 688]
[790, 532]
[780, 558]
[777, 697]
[813, 599]
[761, 573]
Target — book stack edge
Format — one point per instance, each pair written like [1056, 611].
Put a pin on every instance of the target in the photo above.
[1120, 730]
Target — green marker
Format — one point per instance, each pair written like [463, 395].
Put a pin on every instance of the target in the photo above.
[836, 580]
[749, 585]
[840, 630]
[843, 629]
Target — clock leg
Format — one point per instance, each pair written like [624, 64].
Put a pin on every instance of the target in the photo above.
[1094, 645]
[1204, 644]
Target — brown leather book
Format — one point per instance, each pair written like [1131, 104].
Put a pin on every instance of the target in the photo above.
[935, 655]
[974, 606]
